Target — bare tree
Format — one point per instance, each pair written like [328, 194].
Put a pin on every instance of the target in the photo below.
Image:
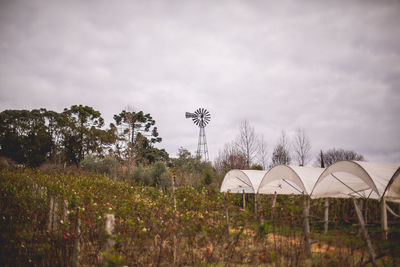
[334, 155]
[229, 158]
[262, 152]
[247, 142]
[281, 154]
[301, 147]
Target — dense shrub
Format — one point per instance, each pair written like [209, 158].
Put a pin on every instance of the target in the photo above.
[155, 175]
[108, 165]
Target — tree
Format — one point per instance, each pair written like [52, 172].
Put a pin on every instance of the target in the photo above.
[137, 131]
[280, 154]
[190, 170]
[39, 139]
[334, 155]
[301, 147]
[56, 123]
[262, 153]
[145, 153]
[83, 133]
[24, 136]
[159, 175]
[247, 142]
[321, 160]
[229, 158]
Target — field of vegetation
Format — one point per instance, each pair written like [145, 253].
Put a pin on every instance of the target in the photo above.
[164, 227]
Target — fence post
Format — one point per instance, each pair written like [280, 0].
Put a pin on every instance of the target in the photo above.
[273, 207]
[110, 222]
[256, 204]
[75, 253]
[53, 214]
[306, 225]
[173, 181]
[244, 200]
[365, 233]
[326, 215]
[65, 211]
[175, 241]
[366, 211]
[226, 211]
[384, 223]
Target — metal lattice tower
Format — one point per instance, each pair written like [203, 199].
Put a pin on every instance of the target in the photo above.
[201, 117]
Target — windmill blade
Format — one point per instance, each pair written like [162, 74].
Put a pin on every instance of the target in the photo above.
[200, 117]
[189, 115]
[207, 116]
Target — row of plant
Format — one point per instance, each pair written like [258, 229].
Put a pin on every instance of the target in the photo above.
[149, 229]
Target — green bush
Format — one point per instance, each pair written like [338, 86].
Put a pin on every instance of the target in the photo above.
[107, 165]
[153, 175]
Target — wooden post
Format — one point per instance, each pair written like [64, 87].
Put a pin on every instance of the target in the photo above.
[326, 215]
[306, 225]
[109, 228]
[259, 209]
[203, 199]
[226, 211]
[173, 180]
[174, 203]
[255, 204]
[244, 200]
[366, 211]
[365, 233]
[65, 211]
[75, 253]
[273, 206]
[361, 206]
[53, 214]
[384, 223]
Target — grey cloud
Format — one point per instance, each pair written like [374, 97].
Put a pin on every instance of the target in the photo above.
[331, 68]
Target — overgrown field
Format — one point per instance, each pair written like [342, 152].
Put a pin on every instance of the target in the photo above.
[150, 231]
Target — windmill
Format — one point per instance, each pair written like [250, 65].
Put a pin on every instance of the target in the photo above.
[201, 117]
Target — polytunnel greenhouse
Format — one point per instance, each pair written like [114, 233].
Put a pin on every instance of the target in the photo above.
[346, 179]
[343, 179]
[242, 181]
[285, 180]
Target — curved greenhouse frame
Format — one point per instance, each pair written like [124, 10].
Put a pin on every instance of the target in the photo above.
[285, 180]
[239, 181]
[346, 179]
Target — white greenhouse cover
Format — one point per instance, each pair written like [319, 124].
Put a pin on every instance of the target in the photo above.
[237, 181]
[346, 179]
[285, 180]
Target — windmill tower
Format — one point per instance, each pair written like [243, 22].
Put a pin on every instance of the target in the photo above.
[201, 117]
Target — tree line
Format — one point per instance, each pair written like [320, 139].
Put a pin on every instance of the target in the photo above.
[126, 148]
[77, 136]
[32, 137]
[250, 151]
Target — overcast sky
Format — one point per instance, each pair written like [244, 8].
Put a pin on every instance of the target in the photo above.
[330, 67]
